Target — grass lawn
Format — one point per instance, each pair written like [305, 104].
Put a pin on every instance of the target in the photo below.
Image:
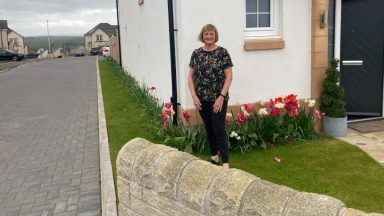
[326, 166]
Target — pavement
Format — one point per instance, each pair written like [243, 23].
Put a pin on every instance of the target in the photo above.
[371, 143]
[49, 144]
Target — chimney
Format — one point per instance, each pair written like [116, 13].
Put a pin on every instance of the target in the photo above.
[4, 24]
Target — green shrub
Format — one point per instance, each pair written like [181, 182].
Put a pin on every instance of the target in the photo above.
[331, 98]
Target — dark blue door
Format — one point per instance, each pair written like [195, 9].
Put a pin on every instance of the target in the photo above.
[362, 56]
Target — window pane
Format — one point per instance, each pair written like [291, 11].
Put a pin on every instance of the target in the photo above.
[264, 6]
[251, 6]
[264, 20]
[251, 21]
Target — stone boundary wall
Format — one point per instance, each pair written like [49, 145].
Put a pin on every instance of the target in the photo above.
[158, 180]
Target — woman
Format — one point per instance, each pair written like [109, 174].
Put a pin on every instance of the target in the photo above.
[209, 79]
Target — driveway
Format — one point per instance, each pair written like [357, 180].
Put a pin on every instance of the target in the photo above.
[49, 154]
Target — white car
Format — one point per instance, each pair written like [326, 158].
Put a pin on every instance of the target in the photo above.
[106, 52]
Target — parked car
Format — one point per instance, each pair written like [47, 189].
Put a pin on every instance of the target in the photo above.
[95, 50]
[9, 55]
[79, 52]
[106, 52]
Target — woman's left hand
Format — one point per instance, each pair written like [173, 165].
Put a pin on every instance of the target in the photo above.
[218, 104]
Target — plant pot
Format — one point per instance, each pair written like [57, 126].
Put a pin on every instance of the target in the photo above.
[336, 127]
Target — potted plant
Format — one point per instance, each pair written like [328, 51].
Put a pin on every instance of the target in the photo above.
[332, 103]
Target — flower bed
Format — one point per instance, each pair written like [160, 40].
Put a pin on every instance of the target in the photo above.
[280, 120]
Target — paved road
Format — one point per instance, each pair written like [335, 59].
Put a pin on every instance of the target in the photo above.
[8, 65]
[49, 154]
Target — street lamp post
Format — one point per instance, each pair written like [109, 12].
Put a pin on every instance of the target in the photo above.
[49, 42]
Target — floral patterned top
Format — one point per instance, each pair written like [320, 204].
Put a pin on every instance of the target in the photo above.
[209, 74]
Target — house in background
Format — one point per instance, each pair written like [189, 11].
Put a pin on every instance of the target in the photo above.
[277, 48]
[99, 35]
[42, 53]
[57, 53]
[10, 39]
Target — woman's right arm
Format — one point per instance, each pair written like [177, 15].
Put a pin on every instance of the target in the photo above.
[191, 84]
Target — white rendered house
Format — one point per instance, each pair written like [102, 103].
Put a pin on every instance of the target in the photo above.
[277, 47]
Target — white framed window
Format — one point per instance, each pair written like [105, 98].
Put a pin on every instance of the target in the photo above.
[261, 18]
[99, 37]
[13, 41]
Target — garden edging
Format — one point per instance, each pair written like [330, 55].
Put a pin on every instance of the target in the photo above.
[108, 194]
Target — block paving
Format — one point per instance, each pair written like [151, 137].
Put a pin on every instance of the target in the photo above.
[49, 151]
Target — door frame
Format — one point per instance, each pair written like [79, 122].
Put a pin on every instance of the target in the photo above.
[337, 48]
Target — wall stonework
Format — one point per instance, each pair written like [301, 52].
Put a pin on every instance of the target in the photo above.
[155, 179]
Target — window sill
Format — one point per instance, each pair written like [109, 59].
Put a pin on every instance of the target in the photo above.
[263, 44]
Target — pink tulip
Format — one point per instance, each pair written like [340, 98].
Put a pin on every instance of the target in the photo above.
[318, 114]
[167, 112]
[168, 105]
[277, 158]
[275, 112]
[290, 105]
[248, 108]
[241, 118]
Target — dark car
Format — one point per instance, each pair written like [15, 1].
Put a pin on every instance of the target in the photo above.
[9, 55]
[95, 51]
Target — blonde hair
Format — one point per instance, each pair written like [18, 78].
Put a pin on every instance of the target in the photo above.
[208, 27]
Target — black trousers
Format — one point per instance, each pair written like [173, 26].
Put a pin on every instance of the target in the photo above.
[215, 127]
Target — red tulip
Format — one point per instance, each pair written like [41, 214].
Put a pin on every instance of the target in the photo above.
[163, 116]
[293, 113]
[291, 97]
[186, 115]
[279, 100]
[165, 125]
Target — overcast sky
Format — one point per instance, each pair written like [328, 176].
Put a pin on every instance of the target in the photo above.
[66, 17]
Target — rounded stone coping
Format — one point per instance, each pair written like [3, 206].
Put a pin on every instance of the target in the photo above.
[127, 156]
[168, 172]
[211, 190]
[146, 162]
